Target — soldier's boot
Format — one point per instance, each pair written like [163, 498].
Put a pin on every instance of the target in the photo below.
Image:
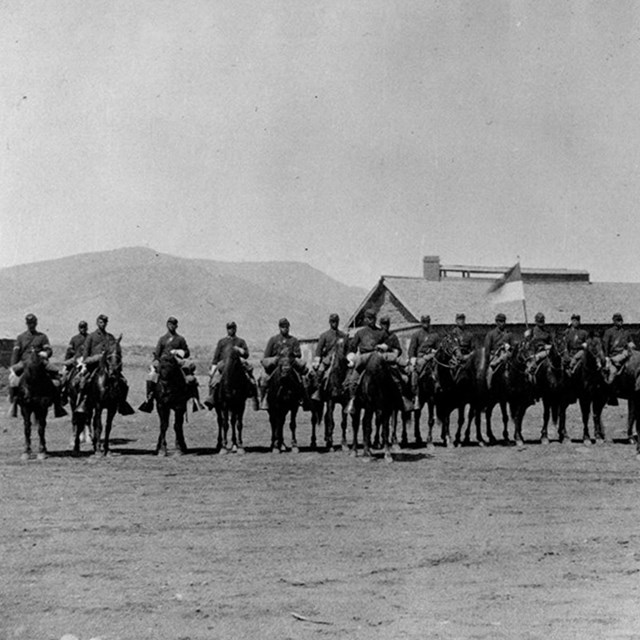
[13, 399]
[210, 400]
[124, 408]
[195, 394]
[147, 405]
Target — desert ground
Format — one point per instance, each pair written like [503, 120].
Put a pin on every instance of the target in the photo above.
[497, 542]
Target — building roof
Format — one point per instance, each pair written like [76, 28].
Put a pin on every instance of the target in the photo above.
[442, 299]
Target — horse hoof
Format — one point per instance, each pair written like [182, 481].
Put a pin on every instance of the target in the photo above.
[241, 451]
[544, 440]
[25, 456]
[565, 440]
[42, 455]
[395, 448]
[313, 445]
[587, 442]
[222, 451]
[431, 446]
[481, 443]
[447, 443]
[388, 457]
[161, 453]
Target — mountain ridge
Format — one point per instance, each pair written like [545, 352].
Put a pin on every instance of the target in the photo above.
[138, 288]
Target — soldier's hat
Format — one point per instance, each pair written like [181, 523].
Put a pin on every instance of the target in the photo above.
[575, 316]
[460, 316]
[283, 322]
[102, 317]
[425, 319]
[172, 320]
[539, 316]
[232, 325]
[82, 324]
[500, 317]
[617, 316]
[334, 316]
[370, 313]
[30, 317]
[385, 320]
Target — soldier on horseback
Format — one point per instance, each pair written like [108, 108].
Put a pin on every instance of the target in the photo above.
[392, 357]
[176, 345]
[75, 349]
[540, 342]
[28, 341]
[364, 343]
[422, 350]
[497, 345]
[327, 343]
[617, 343]
[575, 342]
[462, 339]
[224, 346]
[95, 345]
[282, 345]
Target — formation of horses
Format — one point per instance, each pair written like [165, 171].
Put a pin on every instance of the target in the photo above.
[447, 384]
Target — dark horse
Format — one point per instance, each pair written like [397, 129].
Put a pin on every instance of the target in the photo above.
[427, 385]
[586, 384]
[284, 394]
[549, 385]
[104, 393]
[230, 400]
[626, 384]
[375, 398]
[35, 395]
[80, 420]
[333, 392]
[171, 394]
[499, 392]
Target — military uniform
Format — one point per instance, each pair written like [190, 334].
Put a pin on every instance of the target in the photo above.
[423, 342]
[96, 344]
[169, 342]
[496, 340]
[463, 339]
[615, 341]
[226, 345]
[25, 343]
[327, 343]
[76, 346]
[280, 346]
[574, 338]
[540, 338]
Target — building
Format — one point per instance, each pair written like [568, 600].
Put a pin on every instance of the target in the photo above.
[445, 290]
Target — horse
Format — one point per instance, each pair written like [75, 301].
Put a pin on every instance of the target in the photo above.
[626, 384]
[426, 395]
[81, 430]
[284, 394]
[586, 384]
[499, 392]
[549, 386]
[520, 389]
[231, 395]
[171, 394]
[375, 398]
[35, 394]
[104, 393]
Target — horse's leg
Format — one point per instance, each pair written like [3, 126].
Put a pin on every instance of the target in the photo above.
[631, 421]
[456, 440]
[293, 426]
[163, 415]
[476, 409]
[375, 429]
[544, 434]
[355, 424]
[394, 436]
[505, 421]
[366, 433]
[562, 423]
[385, 419]
[178, 427]
[97, 428]
[585, 409]
[329, 423]
[517, 414]
[239, 427]
[111, 412]
[41, 418]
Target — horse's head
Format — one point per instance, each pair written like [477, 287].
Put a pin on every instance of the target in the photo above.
[111, 361]
[595, 358]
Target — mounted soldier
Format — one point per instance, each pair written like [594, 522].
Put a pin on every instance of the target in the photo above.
[27, 342]
[422, 350]
[497, 346]
[463, 340]
[74, 352]
[174, 344]
[282, 345]
[327, 343]
[225, 345]
[396, 368]
[94, 346]
[540, 342]
[575, 342]
[617, 343]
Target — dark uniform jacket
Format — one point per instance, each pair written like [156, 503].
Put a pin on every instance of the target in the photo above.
[224, 347]
[392, 341]
[327, 342]
[367, 339]
[27, 341]
[574, 339]
[97, 342]
[422, 342]
[168, 342]
[76, 346]
[615, 340]
[281, 346]
[496, 338]
[540, 337]
[463, 338]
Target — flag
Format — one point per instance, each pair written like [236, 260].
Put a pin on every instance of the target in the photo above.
[507, 288]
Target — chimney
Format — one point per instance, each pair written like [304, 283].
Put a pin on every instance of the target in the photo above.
[431, 267]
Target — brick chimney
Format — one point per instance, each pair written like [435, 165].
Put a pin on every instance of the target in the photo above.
[431, 267]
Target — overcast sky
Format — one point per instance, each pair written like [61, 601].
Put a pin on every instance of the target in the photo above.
[356, 136]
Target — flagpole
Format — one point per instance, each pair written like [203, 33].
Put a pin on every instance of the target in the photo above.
[524, 303]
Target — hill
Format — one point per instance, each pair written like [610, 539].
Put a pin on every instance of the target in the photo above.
[138, 288]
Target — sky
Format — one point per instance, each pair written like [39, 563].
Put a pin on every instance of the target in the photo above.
[355, 136]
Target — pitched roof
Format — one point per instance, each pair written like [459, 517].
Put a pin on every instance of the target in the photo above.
[594, 301]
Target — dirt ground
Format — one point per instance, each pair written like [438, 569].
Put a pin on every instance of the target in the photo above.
[538, 542]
